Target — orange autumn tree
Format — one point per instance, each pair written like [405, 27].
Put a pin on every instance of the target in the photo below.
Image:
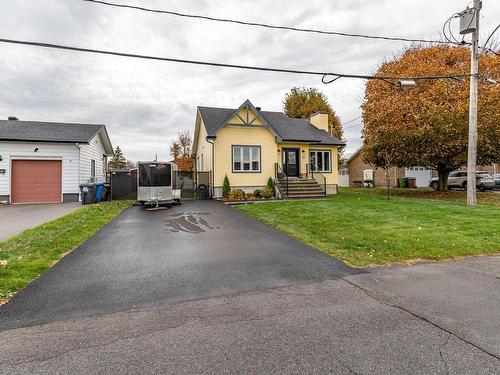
[303, 102]
[180, 150]
[428, 124]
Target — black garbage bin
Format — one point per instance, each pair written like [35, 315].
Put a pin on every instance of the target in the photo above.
[202, 192]
[87, 192]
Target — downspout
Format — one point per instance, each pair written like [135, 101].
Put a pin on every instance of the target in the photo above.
[213, 168]
[78, 145]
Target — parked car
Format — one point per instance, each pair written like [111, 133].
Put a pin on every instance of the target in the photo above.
[496, 178]
[458, 179]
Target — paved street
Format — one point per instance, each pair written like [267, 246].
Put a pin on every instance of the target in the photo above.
[16, 218]
[202, 288]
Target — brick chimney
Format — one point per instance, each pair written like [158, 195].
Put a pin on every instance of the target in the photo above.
[320, 120]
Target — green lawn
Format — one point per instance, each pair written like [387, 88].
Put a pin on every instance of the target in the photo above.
[363, 228]
[459, 196]
[25, 256]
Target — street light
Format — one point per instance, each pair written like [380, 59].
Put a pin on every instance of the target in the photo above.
[489, 80]
[406, 83]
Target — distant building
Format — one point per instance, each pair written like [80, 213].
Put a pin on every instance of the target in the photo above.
[357, 171]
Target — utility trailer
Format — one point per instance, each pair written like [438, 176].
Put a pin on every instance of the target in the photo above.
[157, 183]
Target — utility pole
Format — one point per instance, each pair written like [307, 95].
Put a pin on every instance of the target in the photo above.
[474, 78]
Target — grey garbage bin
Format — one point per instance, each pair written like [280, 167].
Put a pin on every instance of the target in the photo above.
[87, 193]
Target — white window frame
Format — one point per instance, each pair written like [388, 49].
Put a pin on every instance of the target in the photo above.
[92, 170]
[251, 160]
[323, 153]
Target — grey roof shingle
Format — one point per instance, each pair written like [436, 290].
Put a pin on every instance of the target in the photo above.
[47, 131]
[289, 129]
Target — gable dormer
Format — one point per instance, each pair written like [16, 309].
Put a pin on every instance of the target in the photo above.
[246, 115]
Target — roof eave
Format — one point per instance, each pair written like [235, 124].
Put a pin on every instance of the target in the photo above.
[105, 140]
[82, 141]
[315, 142]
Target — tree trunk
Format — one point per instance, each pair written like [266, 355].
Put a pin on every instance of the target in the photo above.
[443, 179]
[388, 184]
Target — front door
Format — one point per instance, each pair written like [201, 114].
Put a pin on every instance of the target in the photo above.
[291, 162]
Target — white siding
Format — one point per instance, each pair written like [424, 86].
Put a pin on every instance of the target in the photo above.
[92, 151]
[422, 175]
[343, 177]
[68, 153]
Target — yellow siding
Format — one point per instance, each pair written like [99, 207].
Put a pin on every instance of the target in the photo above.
[241, 134]
[229, 136]
[332, 177]
[203, 151]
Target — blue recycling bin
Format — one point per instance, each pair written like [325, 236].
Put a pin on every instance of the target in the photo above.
[99, 191]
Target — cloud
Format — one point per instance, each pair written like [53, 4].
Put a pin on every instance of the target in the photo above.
[145, 103]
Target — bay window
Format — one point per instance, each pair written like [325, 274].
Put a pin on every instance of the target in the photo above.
[246, 158]
[320, 160]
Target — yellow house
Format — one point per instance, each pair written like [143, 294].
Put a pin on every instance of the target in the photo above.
[250, 145]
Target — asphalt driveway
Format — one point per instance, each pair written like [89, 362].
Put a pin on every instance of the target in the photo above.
[16, 218]
[203, 288]
[196, 250]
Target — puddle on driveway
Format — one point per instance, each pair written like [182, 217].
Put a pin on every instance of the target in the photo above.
[189, 222]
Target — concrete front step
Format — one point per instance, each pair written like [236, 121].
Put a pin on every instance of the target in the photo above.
[313, 183]
[300, 187]
[303, 188]
[301, 181]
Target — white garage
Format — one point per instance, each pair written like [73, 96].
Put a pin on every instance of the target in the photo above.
[45, 162]
[422, 175]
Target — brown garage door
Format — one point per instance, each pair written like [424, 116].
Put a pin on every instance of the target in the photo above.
[36, 181]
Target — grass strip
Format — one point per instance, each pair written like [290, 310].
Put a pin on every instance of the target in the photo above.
[25, 256]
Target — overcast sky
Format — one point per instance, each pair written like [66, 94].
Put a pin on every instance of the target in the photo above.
[145, 103]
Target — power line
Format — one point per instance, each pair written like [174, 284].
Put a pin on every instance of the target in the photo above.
[447, 23]
[352, 120]
[324, 75]
[269, 26]
[352, 126]
[489, 37]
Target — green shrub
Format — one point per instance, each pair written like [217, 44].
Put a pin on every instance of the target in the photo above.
[258, 193]
[270, 184]
[226, 187]
[267, 193]
[236, 195]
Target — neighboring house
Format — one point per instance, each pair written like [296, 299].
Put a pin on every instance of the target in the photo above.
[250, 145]
[45, 162]
[358, 170]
